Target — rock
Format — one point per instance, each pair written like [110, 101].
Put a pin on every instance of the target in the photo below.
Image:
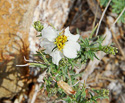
[108, 67]
[105, 59]
[107, 73]
[116, 87]
[15, 20]
[122, 66]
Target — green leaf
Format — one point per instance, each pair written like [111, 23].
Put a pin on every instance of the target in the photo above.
[93, 31]
[77, 31]
[77, 75]
[103, 2]
[37, 65]
[96, 57]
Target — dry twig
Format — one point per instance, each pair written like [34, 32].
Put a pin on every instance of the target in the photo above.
[117, 43]
[37, 88]
[102, 17]
[119, 16]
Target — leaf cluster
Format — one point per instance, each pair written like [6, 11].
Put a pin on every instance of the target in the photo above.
[89, 46]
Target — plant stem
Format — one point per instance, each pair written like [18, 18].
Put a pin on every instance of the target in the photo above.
[44, 58]
[119, 16]
[102, 17]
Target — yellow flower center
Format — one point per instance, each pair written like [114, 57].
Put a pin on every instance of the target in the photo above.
[60, 41]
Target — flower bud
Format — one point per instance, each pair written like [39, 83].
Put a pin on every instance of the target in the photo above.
[103, 92]
[110, 49]
[38, 26]
[67, 89]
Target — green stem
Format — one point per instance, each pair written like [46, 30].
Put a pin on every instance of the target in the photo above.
[94, 48]
[38, 64]
[44, 58]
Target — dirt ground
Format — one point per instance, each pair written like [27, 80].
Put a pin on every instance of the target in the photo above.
[109, 73]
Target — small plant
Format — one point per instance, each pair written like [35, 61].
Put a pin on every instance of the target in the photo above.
[63, 52]
[117, 7]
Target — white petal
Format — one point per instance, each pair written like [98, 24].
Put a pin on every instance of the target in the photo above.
[45, 25]
[49, 33]
[70, 49]
[56, 56]
[47, 45]
[70, 36]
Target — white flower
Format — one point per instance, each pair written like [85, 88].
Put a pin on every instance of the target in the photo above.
[59, 44]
